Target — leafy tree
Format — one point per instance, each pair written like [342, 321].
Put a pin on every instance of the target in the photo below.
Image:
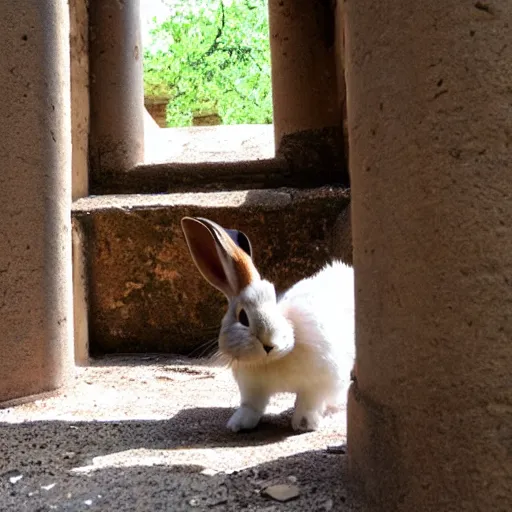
[211, 55]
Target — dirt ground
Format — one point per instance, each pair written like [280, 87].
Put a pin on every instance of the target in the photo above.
[148, 434]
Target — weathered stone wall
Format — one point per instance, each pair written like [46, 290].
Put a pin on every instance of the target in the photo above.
[145, 294]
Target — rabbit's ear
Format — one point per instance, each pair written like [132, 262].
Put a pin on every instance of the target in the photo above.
[240, 239]
[219, 259]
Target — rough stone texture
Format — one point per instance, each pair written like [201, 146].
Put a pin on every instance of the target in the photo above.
[116, 86]
[314, 150]
[430, 412]
[35, 195]
[169, 177]
[302, 46]
[145, 292]
[79, 47]
[229, 158]
[149, 434]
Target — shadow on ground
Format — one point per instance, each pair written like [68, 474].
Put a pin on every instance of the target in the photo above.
[199, 427]
[84, 451]
[138, 465]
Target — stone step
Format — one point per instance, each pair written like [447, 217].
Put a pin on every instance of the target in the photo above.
[144, 293]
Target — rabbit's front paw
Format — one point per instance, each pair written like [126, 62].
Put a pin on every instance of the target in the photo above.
[306, 421]
[244, 418]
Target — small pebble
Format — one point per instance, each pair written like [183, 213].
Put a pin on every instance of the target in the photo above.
[282, 492]
[292, 479]
[14, 479]
[209, 472]
[47, 487]
[328, 505]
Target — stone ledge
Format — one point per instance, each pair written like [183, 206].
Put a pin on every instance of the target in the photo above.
[264, 199]
[145, 294]
[173, 177]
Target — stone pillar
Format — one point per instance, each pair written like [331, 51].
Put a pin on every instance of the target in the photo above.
[304, 87]
[430, 411]
[79, 42]
[116, 87]
[36, 316]
[79, 48]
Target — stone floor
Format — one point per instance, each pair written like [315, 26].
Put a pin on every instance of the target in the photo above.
[148, 433]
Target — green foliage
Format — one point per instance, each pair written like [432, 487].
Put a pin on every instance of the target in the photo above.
[211, 55]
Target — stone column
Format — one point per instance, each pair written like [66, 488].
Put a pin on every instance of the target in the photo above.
[304, 86]
[430, 127]
[79, 48]
[36, 316]
[79, 57]
[116, 87]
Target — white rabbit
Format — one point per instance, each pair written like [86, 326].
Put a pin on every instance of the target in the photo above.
[301, 342]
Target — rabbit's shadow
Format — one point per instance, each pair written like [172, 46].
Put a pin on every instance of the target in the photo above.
[206, 427]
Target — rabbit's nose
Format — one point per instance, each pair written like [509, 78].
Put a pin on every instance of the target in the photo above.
[267, 349]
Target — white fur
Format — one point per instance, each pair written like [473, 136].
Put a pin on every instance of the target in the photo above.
[314, 361]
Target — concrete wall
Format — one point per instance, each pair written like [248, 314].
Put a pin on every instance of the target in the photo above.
[35, 194]
[430, 411]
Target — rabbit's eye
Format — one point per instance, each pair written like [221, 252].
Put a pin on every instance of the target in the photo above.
[242, 318]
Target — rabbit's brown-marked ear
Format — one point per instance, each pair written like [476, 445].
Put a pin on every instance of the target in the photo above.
[240, 239]
[219, 259]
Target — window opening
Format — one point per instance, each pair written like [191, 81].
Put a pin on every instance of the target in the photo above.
[207, 68]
